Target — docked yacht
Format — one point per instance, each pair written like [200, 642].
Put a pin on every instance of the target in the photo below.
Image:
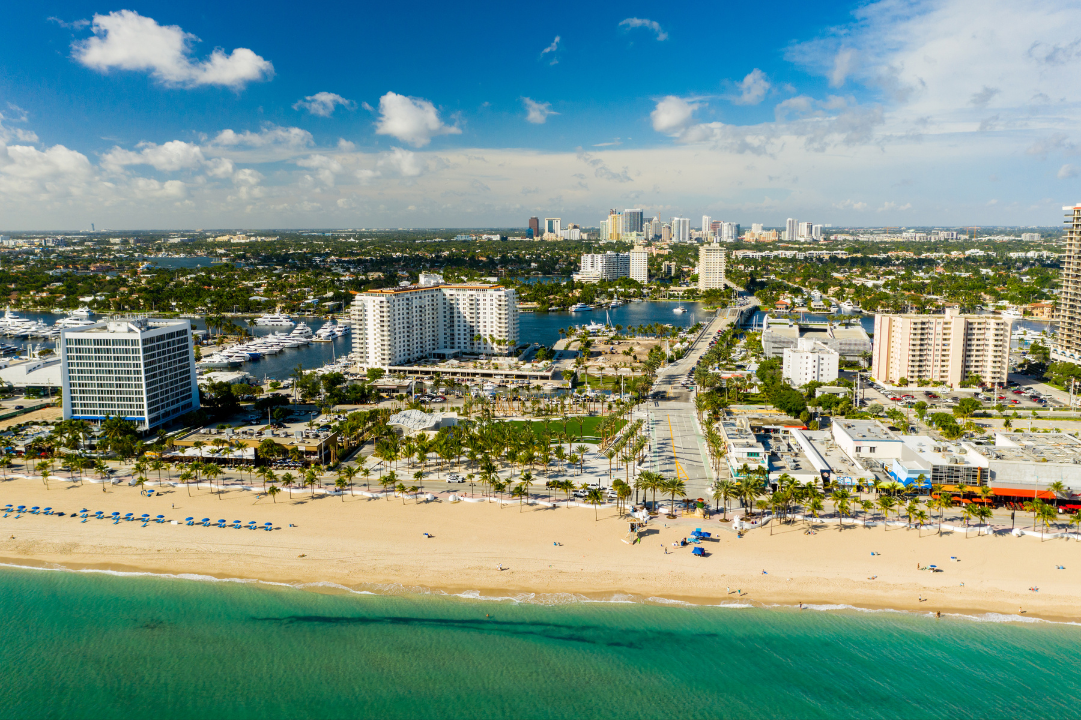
[581, 307]
[217, 360]
[1012, 313]
[616, 303]
[274, 320]
[83, 312]
[302, 330]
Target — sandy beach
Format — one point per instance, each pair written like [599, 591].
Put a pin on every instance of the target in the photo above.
[379, 545]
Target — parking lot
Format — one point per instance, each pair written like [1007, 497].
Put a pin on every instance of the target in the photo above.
[1014, 397]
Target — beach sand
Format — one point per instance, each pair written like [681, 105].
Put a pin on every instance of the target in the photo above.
[379, 545]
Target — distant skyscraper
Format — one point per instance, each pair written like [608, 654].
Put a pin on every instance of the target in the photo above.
[729, 232]
[534, 225]
[615, 224]
[640, 264]
[552, 225]
[632, 220]
[707, 225]
[655, 227]
[805, 230]
[604, 229]
[816, 232]
[681, 229]
[756, 228]
[666, 233]
[790, 229]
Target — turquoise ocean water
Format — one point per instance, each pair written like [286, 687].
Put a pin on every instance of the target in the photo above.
[89, 645]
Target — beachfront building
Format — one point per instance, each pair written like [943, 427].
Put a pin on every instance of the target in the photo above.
[639, 264]
[810, 361]
[939, 462]
[711, 267]
[396, 326]
[134, 368]
[947, 348]
[743, 451]
[604, 266]
[865, 439]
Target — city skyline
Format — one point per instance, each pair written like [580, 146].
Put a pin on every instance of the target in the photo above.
[865, 115]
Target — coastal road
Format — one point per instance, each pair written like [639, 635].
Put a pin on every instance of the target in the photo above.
[674, 436]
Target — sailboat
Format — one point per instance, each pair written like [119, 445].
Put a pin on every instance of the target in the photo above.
[680, 309]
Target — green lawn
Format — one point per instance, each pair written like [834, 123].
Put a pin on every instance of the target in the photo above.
[587, 428]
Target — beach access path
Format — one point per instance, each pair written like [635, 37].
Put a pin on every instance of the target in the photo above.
[379, 544]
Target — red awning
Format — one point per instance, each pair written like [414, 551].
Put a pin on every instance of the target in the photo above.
[1018, 493]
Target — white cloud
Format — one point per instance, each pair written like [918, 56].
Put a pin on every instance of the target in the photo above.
[327, 168]
[672, 114]
[1068, 171]
[402, 162]
[537, 112]
[292, 137]
[890, 205]
[346, 146]
[644, 23]
[411, 120]
[850, 205]
[55, 163]
[126, 40]
[552, 49]
[168, 157]
[323, 103]
[753, 88]
[843, 63]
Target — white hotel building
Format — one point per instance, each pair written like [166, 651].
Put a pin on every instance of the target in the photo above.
[397, 326]
[129, 368]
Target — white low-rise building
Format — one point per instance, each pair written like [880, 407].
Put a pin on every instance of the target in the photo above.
[866, 439]
[129, 368]
[810, 361]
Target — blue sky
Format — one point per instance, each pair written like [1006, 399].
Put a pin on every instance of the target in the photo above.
[897, 112]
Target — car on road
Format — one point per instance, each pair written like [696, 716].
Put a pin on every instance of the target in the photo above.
[455, 478]
[1018, 391]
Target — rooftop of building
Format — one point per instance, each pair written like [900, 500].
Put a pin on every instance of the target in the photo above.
[292, 433]
[737, 432]
[416, 288]
[126, 325]
[866, 429]
[1031, 447]
[941, 452]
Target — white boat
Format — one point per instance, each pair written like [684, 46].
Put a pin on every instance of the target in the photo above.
[274, 320]
[1011, 313]
[217, 360]
[616, 303]
[301, 330]
[83, 312]
[580, 307]
[680, 309]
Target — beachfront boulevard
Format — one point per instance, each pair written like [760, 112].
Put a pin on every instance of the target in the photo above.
[677, 446]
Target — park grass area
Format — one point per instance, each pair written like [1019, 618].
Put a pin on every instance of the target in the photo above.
[581, 428]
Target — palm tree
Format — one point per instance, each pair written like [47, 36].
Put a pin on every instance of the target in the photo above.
[886, 503]
[400, 487]
[867, 506]
[340, 485]
[581, 451]
[724, 491]
[595, 498]
[185, 477]
[287, 480]
[311, 479]
[674, 487]
[1076, 522]
[273, 491]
